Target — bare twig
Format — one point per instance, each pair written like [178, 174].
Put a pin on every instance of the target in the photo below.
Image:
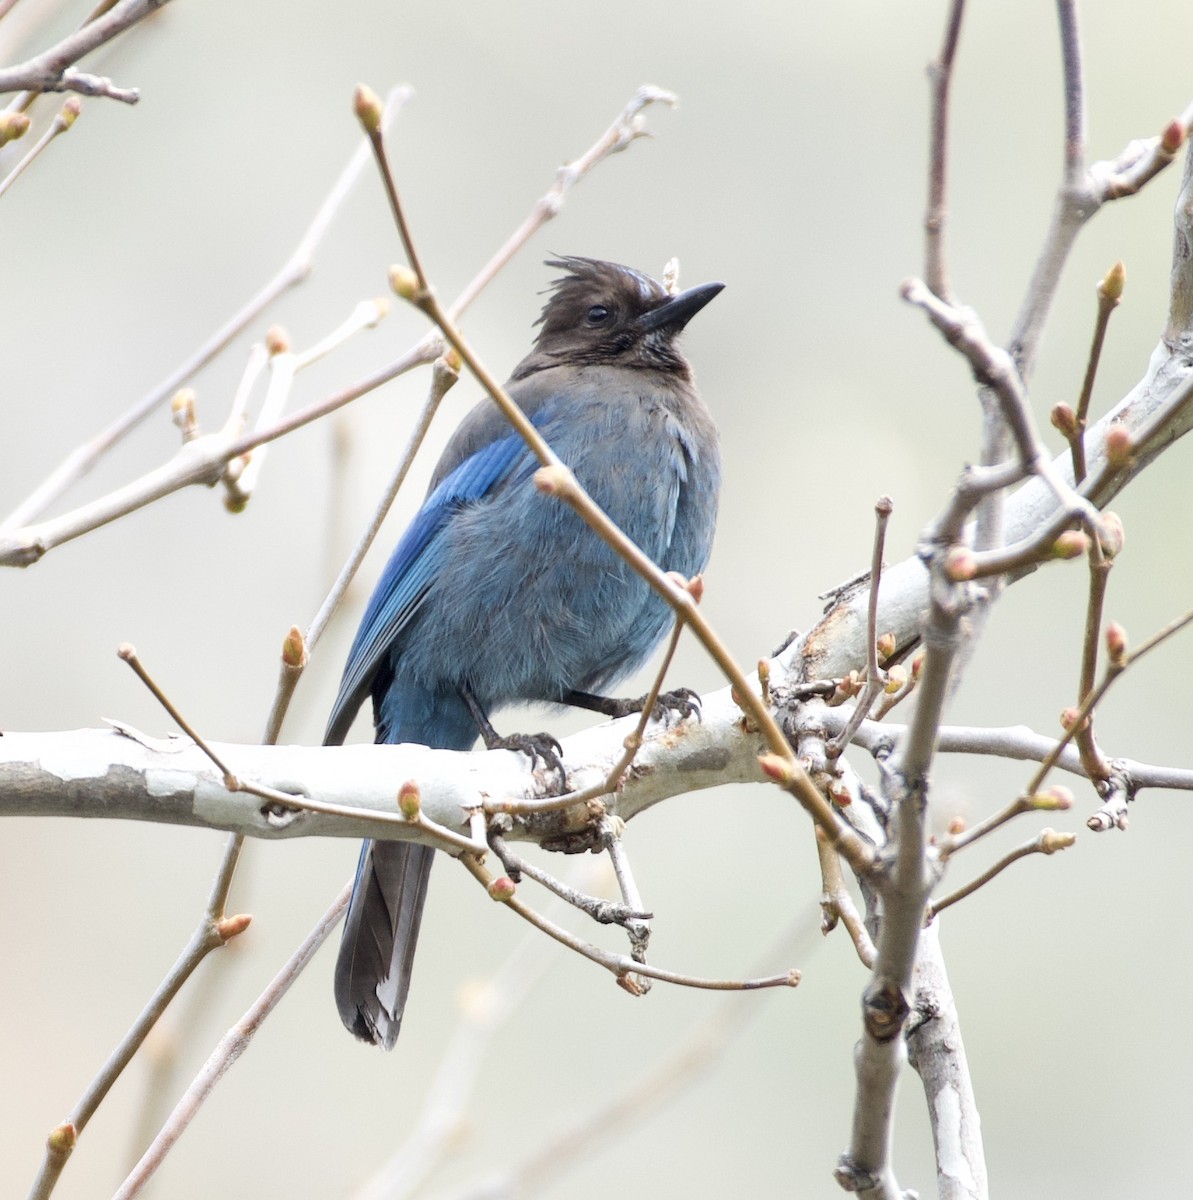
[1070, 55]
[231, 1047]
[836, 904]
[241, 475]
[1057, 799]
[538, 1172]
[214, 930]
[627, 127]
[1110, 291]
[1082, 191]
[875, 677]
[63, 121]
[606, 912]
[995, 369]
[637, 927]
[1047, 841]
[1120, 660]
[620, 965]
[1100, 565]
[294, 271]
[51, 71]
[941, 74]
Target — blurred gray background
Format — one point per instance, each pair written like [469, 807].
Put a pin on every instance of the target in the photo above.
[793, 170]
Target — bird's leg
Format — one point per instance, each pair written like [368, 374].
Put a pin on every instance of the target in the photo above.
[683, 702]
[536, 746]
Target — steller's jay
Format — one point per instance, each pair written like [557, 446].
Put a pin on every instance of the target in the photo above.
[497, 594]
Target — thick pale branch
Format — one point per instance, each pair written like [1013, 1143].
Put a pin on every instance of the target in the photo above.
[103, 773]
[1156, 413]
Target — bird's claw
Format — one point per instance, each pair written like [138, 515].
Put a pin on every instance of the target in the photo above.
[538, 747]
[681, 703]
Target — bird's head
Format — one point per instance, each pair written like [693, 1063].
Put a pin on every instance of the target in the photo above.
[602, 312]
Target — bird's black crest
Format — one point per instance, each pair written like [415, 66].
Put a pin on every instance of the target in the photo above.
[593, 315]
[589, 277]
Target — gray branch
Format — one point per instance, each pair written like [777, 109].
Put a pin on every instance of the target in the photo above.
[52, 70]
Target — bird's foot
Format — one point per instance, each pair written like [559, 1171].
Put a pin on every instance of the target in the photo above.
[538, 747]
[682, 702]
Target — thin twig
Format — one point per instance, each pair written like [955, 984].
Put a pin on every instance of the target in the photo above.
[128, 654]
[638, 927]
[606, 912]
[1100, 565]
[1110, 292]
[51, 71]
[1114, 669]
[638, 1099]
[231, 1047]
[284, 366]
[1074, 85]
[1053, 800]
[444, 375]
[63, 121]
[836, 904]
[627, 127]
[294, 271]
[621, 965]
[875, 677]
[996, 369]
[213, 931]
[941, 74]
[1047, 841]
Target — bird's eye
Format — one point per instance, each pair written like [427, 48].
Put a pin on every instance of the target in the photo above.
[598, 314]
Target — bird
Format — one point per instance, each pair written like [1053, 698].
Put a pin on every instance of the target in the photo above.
[497, 594]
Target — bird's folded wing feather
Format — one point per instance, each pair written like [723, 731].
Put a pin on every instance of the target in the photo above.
[412, 567]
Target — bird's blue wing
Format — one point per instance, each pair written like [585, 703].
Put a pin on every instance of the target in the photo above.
[412, 567]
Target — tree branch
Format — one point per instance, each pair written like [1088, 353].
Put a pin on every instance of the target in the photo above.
[51, 70]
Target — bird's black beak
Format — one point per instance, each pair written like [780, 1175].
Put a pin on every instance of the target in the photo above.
[679, 310]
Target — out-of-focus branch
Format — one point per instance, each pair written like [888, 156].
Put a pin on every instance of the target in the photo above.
[941, 73]
[231, 1047]
[294, 271]
[540, 1169]
[204, 459]
[485, 1007]
[62, 122]
[214, 931]
[1082, 191]
[52, 70]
